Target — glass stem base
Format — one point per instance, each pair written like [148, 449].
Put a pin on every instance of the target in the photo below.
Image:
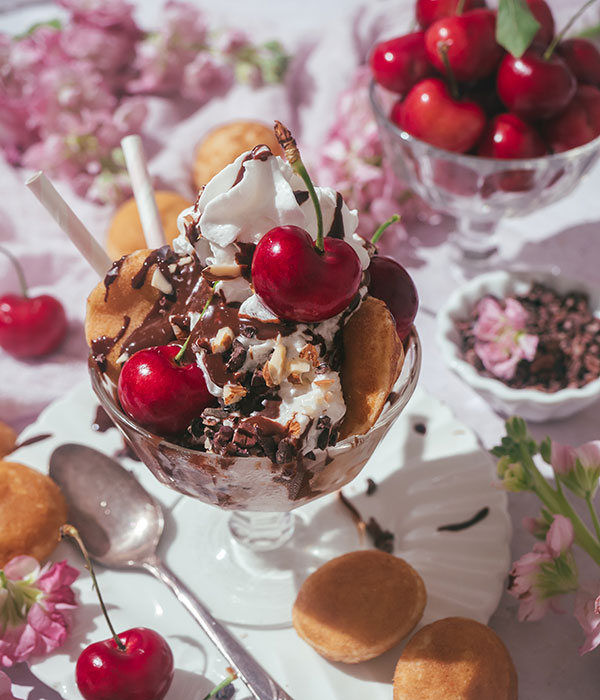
[475, 243]
[261, 532]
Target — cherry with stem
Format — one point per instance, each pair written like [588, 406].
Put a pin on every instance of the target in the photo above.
[558, 38]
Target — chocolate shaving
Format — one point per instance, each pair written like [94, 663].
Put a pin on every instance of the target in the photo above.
[381, 539]
[456, 527]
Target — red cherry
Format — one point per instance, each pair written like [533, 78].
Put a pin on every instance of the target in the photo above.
[160, 394]
[399, 63]
[533, 87]
[430, 113]
[508, 136]
[583, 58]
[391, 283]
[543, 14]
[578, 123]
[428, 11]
[142, 671]
[299, 283]
[470, 44]
[31, 326]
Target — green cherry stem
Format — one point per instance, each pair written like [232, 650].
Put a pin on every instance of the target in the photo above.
[179, 357]
[292, 154]
[18, 269]
[377, 235]
[230, 678]
[559, 37]
[443, 50]
[70, 531]
[460, 7]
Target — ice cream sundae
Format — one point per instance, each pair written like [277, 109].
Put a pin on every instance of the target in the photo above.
[245, 344]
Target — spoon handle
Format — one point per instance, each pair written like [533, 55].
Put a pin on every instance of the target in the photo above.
[258, 681]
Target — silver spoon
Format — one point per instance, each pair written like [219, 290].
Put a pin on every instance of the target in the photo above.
[121, 524]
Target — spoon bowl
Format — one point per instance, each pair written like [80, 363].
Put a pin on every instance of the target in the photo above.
[121, 525]
[119, 521]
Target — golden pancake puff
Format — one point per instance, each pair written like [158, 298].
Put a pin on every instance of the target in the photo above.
[109, 308]
[373, 358]
[32, 510]
[455, 659]
[125, 234]
[225, 143]
[357, 606]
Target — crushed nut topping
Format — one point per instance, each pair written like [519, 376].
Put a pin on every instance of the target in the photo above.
[232, 393]
[273, 371]
[214, 273]
[223, 340]
[310, 353]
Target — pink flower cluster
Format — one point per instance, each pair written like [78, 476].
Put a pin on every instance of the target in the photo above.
[5, 688]
[68, 95]
[352, 162]
[34, 607]
[501, 341]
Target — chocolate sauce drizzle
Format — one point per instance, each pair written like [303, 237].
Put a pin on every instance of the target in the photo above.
[112, 275]
[456, 527]
[260, 152]
[336, 230]
[162, 257]
[104, 344]
[32, 440]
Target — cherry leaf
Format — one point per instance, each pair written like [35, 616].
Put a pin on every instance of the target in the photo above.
[515, 26]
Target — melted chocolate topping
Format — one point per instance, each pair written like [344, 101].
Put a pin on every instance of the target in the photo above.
[102, 421]
[104, 344]
[244, 258]
[162, 257]
[112, 275]
[301, 196]
[260, 152]
[336, 230]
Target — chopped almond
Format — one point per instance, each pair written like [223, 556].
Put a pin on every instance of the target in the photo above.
[232, 393]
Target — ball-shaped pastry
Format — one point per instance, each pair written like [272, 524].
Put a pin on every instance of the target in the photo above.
[8, 439]
[32, 510]
[125, 234]
[455, 658]
[359, 605]
[225, 143]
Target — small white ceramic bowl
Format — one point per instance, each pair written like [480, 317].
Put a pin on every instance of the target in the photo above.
[530, 404]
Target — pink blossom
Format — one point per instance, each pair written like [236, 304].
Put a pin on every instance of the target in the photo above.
[34, 608]
[501, 342]
[577, 467]
[102, 13]
[546, 572]
[109, 50]
[587, 613]
[205, 77]
[5, 688]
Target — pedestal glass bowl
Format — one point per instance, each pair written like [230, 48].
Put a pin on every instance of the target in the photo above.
[248, 563]
[477, 191]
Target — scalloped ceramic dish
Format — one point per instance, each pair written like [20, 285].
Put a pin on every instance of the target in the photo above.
[531, 404]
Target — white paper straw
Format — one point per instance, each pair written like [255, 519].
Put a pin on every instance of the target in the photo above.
[142, 191]
[69, 222]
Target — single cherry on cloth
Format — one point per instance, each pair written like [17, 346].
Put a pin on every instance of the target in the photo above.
[428, 11]
[30, 326]
[542, 12]
[583, 58]
[142, 670]
[535, 87]
[430, 113]
[297, 282]
[391, 283]
[398, 63]
[509, 136]
[579, 123]
[469, 41]
[162, 393]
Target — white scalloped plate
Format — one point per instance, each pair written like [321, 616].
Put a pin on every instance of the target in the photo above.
[424, 480]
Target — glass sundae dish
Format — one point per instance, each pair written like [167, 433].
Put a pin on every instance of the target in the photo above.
[291, 398]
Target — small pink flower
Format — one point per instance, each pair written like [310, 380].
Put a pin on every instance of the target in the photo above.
[501, 342]
[545, 573]
[587, 613]
[577, 467]
[205, 77]
[34, 608]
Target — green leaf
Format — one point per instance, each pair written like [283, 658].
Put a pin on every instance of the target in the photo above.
[515, 26]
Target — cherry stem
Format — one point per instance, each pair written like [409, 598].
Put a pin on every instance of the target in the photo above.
[443, 50]
[230, 678]
[181, 353]
[70, 531]
[392, 220]
[292, 154]
[18, 269]
[460, 7]
[559, 37]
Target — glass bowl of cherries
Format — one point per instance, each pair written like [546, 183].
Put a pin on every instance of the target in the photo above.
[481, 132]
